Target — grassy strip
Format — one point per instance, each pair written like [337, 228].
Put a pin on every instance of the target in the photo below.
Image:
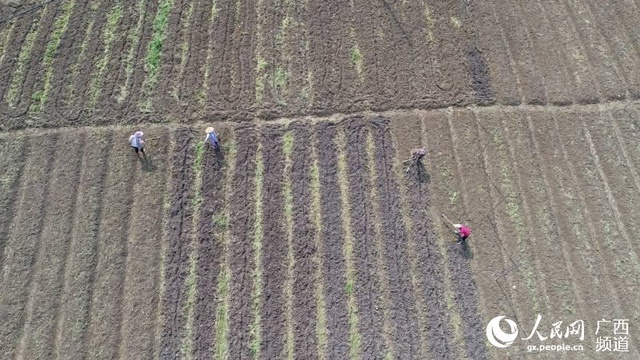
[356, 59]
[354, 335]
[59, 27]
[134, 37]
[75, 68]
[257, 250]
[23, 59]
[108, 35]
[306, 93]
[5, 34]
[261, 63]
[380, 261]
[184, 46]
[202, 95]
[354, 52]
[221, 347]
[187, 341]
[281, 75]
[288, 215]
[316, 219]
[154, 52]
[430, 23]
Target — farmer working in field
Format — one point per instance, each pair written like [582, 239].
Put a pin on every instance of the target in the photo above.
[416, 157]
[462, 230]
[212, 137]
[418, 154]
[137, 143]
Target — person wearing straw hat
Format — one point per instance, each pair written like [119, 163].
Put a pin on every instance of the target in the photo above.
[212, 137]
[137, 143]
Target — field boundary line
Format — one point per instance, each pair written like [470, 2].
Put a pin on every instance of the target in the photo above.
[309, 119]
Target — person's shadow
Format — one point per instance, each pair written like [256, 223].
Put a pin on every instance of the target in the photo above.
[419, 173]
[147, 164]
[466, 251]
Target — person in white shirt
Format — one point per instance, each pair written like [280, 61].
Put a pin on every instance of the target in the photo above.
[212, 137]
[137, 143]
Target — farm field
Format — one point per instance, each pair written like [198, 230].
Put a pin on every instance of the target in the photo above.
[307, 239]
[97, 62]
[303, 237]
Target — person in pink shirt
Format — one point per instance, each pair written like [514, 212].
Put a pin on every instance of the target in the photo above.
[463, 232]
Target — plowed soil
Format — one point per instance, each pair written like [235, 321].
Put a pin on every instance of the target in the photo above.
[303, 235]
[210, 251]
